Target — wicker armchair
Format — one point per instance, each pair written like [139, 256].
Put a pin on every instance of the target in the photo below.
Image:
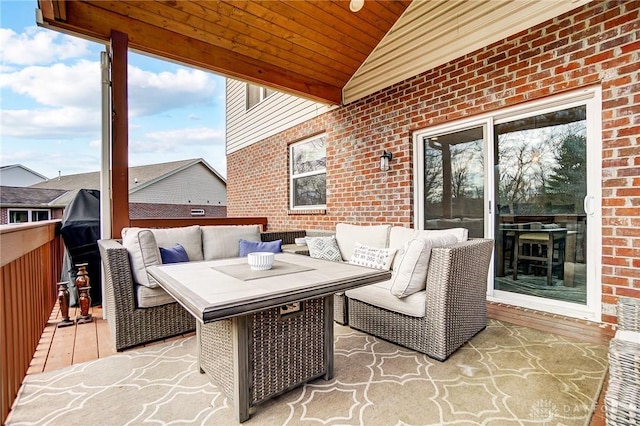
[129, 324]
[456, 308]
[622, 400]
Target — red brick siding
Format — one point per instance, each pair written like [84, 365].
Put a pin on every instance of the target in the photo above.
[144, 210]
[596, 44]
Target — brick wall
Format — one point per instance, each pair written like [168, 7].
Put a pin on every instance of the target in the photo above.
[596, 44]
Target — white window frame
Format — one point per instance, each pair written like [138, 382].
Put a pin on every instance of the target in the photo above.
[29, 212]
[263, 94]
[293, 177]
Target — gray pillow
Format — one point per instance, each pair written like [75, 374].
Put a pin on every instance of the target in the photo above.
[324, 248]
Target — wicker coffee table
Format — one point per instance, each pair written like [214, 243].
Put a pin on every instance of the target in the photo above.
[262, 333]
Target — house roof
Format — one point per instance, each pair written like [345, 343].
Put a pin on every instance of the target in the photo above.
[15, 196]
[20, 166]
[315, 49]
[139, 178]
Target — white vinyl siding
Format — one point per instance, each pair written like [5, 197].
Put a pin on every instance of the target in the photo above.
[193, 185]
[422, 38]
[277, 112]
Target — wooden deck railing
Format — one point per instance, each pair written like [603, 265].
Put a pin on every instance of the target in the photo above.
[30, 265]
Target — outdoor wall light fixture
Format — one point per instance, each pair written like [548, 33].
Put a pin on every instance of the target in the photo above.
[384, 161]
[356, 5]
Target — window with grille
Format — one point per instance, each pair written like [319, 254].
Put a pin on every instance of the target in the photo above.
[308, 173]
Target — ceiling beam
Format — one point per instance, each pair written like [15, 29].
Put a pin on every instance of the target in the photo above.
[95, 23]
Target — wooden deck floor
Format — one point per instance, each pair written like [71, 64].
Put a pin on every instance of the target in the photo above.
[61, 347]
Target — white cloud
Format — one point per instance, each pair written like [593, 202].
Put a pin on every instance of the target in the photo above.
[59, 85]
[39, 46]
[178, 140]
[56, 123]
[151, 93]
[74, 93]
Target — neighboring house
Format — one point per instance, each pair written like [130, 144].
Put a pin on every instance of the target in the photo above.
[540, 124]
[166, 190]
[21, 205]
[19, 175]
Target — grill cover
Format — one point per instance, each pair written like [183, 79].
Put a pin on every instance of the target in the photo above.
[81, 231]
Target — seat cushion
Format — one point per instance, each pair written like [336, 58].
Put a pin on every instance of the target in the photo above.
[151, 297]
[379, 295]
[143, 251]
[189, 237]
[221, 242]
[373, 236]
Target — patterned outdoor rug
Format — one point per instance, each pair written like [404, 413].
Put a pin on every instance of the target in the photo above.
[506, 375]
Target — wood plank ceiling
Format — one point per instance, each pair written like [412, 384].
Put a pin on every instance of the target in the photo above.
[307, 48]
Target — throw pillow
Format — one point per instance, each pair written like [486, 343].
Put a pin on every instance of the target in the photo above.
[175, 254]
[372, 257]
[324, 248]
[410, 270]
[247, 247]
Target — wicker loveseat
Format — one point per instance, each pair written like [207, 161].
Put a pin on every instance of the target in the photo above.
[139, 314]
[437, 320]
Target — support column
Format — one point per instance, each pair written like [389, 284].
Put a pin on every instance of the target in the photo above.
[120, 133]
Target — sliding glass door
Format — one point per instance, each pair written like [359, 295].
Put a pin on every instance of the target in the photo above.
[453, 180]
[540, 221]
[527, 178]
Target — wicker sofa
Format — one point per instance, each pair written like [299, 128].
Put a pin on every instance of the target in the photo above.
[437, 320]
[622, 399]
[139, 314]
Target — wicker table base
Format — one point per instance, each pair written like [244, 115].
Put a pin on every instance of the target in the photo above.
[257, 356]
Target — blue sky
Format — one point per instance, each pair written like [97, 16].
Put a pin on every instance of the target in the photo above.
[50, 102]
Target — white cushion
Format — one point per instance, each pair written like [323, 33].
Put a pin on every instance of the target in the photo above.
[373, 236]
[372, 257]
[324, 248]
[438, 239]
[462, 234]
[399, 236]
[189, 237]
[143, 252]
[378, 295]
[150, 297]
[410, 273]
[222, 242]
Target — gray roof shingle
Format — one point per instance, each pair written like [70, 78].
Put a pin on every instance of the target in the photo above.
[30, 197]
[91, 180]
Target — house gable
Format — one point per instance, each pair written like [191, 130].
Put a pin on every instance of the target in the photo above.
[196, 185]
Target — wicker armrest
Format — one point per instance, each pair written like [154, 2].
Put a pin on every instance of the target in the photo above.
[119, 279]
[287, 237]
[131, 325]
[628, 310]
[457, 286]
